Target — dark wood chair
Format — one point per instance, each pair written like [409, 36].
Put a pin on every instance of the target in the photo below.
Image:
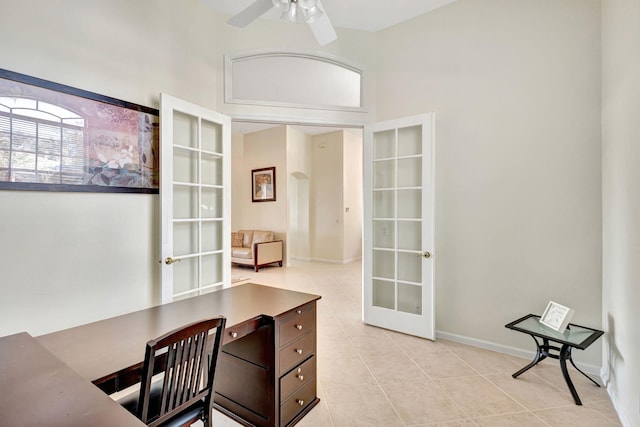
[182, 363]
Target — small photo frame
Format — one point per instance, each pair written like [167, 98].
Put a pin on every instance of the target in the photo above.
[556, 316]
[263, 185]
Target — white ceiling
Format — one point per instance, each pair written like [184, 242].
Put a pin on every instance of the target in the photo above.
[365, 15]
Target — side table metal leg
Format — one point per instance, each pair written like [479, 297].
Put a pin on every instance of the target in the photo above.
[565, 353]
[538, 358]
[578, 369]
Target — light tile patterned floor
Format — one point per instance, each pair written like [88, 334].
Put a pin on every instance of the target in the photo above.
[374, 377]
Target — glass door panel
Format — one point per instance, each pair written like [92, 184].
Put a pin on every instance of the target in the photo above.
[384, 174]
[384, 204]
[384, 145]
[409, 233]
[384, 294]
[410, 204]
[410, 141]
[409, 267]
[212, 239]
[384, 235]
[211, 169]
[211, 205]
[385, 266]
[409, 298]
[212, 137]
[410, 172]
[185, 202]
[185, 238]
[185, 275]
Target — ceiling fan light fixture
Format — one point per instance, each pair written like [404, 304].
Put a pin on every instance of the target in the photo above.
[307, 4]
[291, 15]
[282, 5]
[312, 14]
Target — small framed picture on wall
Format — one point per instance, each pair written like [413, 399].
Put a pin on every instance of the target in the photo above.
[263, 185]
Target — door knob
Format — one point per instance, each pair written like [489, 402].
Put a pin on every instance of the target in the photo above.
[426, 254]
[170, 260]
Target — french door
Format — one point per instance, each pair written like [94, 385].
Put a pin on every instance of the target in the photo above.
[398, 289]
[195, 199]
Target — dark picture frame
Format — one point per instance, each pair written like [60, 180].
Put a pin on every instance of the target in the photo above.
[263, 185]
[55, 137]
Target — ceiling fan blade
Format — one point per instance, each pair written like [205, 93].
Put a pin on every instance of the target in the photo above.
[323, 29]
[251, 13]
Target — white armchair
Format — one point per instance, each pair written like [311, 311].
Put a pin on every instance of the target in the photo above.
[255, 247]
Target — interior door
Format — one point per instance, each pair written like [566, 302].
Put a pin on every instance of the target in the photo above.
[398, 289]
[195, 199]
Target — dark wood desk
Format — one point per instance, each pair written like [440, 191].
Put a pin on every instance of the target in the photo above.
[39, 390]
[267, 371]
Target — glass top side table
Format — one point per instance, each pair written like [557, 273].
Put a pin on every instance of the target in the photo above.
[575, 336]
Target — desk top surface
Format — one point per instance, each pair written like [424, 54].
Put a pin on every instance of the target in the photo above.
[101, 348]
[575, 335]
[40, 390]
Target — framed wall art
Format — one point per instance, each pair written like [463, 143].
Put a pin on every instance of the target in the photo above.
[263, 185]
[556, 316]
[55, 137]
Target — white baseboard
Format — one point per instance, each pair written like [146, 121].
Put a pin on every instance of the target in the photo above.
[512, 351]
[335, 261]
[624, 420]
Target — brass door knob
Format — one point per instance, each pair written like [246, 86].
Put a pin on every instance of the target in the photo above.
[426, 254]
[170, 260]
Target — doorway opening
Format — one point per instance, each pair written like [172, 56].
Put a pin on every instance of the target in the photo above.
[318, 212]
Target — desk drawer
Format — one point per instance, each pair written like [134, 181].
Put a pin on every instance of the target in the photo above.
[298, 377]
[302, 398]
[236, 332]
[297, 323]
[296, 352]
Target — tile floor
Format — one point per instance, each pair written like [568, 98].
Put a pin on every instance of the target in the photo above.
[374, 377]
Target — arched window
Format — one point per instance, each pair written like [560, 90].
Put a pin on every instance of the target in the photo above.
[40, 142]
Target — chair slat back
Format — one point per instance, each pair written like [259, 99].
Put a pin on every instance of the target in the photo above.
[190, 354]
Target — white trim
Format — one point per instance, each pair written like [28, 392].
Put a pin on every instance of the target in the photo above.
[624, 420]
[332, 261]
[231, 58]
[512, 351]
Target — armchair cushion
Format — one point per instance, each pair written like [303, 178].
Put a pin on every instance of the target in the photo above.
[241, 253]
[262, 236]
[247, 237]
[236, 240]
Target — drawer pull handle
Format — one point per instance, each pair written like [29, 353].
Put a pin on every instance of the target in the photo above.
[234, 335]
[300, 402]
[300, 377]
[299, 311]
[299, 327]
[299, 351]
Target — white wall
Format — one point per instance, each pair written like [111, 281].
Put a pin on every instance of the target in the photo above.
[299, 172]
[265, 149]
[515, 87]
[70, 258]
[327, 187]
[352, 177]
[621, 203]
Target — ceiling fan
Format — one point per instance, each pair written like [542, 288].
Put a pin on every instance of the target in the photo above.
[308, 11]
